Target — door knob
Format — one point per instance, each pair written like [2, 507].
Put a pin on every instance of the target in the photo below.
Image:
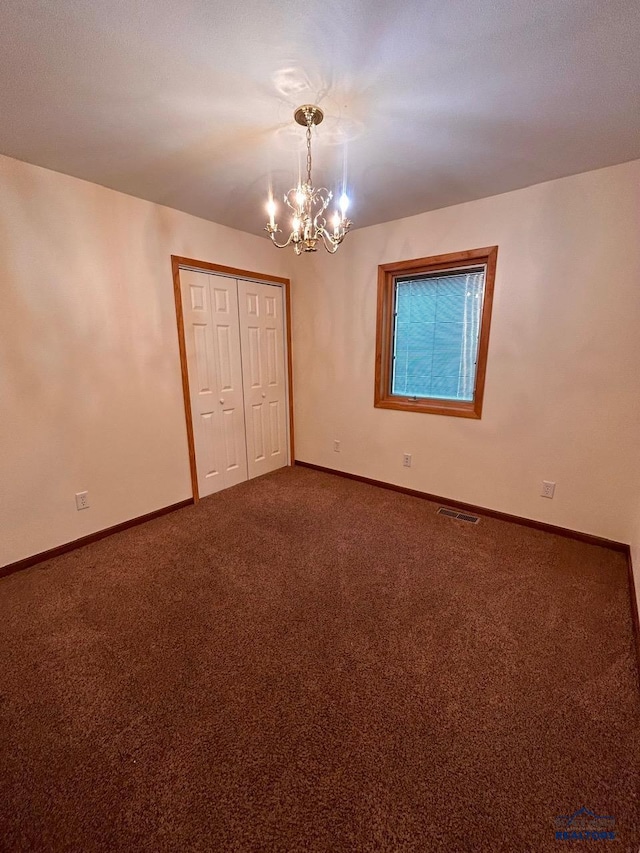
[264, 394]
[221, 401]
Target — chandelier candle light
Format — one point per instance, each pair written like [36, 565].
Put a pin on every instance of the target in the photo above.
[308, 204]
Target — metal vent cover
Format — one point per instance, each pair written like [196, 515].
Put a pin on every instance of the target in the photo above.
[461, 516]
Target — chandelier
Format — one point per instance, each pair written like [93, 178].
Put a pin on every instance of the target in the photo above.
[308, 224]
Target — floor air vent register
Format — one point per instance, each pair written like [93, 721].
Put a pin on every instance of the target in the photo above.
[461, 516]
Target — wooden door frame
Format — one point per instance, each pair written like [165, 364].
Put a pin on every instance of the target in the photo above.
[178, 261]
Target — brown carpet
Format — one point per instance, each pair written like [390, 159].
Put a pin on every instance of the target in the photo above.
[305, 663]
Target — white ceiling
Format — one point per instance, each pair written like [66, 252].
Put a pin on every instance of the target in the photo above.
[428, 102]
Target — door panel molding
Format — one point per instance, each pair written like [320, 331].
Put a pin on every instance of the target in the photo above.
[178, 262]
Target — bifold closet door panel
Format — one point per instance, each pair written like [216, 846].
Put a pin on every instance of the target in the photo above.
[212, 338]
[263, 367]
[226, 335]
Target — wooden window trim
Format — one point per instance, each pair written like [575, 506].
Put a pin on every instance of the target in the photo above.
[387, 274]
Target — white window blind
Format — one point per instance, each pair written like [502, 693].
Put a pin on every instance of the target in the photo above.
[436, 331]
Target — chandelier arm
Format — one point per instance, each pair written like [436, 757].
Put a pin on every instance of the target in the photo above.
[272, 235]
[330, 243]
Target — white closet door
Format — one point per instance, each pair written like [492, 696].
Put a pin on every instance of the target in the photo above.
[263, 367]
[212, 337]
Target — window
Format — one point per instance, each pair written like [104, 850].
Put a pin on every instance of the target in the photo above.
[433, 333]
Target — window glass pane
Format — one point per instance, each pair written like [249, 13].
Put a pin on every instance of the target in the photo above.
[437, 325]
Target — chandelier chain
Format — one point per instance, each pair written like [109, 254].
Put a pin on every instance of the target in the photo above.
[309, 151]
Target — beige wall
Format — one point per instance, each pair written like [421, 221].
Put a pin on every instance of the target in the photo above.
[90, 392]
[90, 389]
[562, 398]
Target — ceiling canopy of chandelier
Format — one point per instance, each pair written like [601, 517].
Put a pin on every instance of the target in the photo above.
[308, 224]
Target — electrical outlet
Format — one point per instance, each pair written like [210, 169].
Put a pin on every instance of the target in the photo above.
[336, 445]
[406, 460]
[548, 488]
[82, 500]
